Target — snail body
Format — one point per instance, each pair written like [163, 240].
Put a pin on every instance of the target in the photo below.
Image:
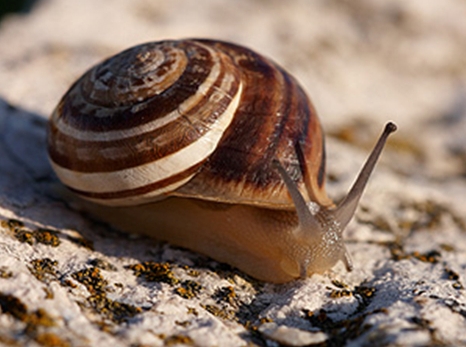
[209, 146]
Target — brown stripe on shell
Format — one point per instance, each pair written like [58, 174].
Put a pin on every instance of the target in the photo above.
[321, 172]
[94, 156]
[249, 141]
[308, 134]
[138, 192]
[274, 113]
[77, 112]
[134, 74]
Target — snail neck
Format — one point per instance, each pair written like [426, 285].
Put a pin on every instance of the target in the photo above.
[325, 242]
[318, 234]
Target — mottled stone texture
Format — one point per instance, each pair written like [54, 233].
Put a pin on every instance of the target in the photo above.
[68, 280]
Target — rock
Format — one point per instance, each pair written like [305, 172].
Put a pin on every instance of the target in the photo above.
[68, 279]
[291, 336]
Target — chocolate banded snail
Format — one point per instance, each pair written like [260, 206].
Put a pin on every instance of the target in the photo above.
[209, 146]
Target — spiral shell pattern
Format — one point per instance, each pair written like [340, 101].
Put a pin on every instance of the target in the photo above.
[195, 118]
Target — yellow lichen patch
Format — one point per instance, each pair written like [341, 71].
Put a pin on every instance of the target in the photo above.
[193, 311]
[447, 247]
[365, 292]
[95, 283]
[429, 257]
[13, 306]
[227, 294]
[47, 237]
[40, 317]
[9, 341]
[398, 253]
[265, 320]
[191, 272]
[21, 233]
[92, 279]
[339, 284]
[219, 312]
[340, 332]
[51, 340]
[154, 272]
[102, 264]
[335, 294]
[188, 289]
[178, 340]
[117, 312]
[453, 276]
[185, 323]
[48, 293]
[11, 224]
[24, 236]
[43, 269]
[5, 273]
[69, 283]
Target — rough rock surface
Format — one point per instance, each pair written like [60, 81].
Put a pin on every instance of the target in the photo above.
[68, 280]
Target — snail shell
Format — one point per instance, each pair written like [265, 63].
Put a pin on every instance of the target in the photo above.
[210, 146]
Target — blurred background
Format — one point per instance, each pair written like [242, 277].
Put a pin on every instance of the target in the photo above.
[17, 6]
[363, 62]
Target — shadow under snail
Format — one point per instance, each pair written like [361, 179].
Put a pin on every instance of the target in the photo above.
[209, 146]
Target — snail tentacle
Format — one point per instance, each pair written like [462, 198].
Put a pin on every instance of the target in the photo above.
[346, 208]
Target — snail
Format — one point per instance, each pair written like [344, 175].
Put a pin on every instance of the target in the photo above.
[209, 146]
